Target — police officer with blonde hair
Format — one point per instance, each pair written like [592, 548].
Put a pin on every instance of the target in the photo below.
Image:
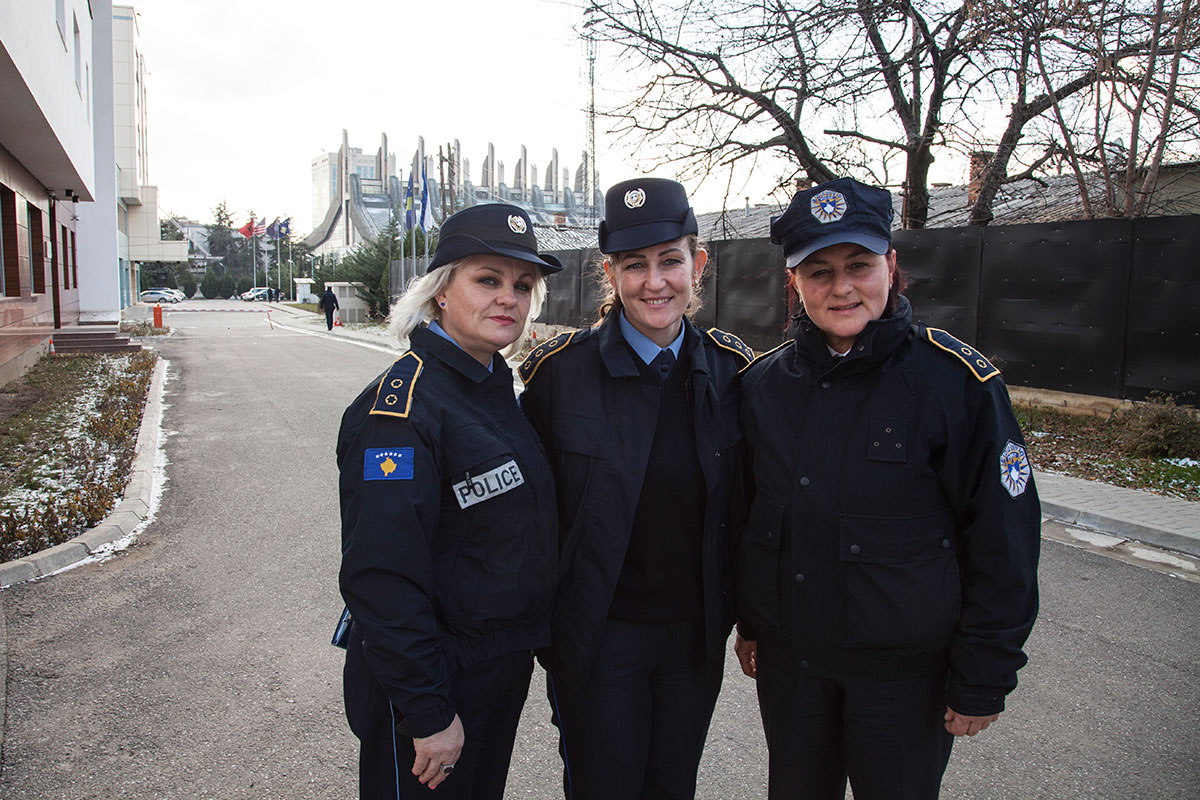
[449, 542]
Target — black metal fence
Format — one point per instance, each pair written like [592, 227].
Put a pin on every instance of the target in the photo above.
[1101, 307]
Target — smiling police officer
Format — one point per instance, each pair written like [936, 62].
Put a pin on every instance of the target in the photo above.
[887, 575]
[449, 543]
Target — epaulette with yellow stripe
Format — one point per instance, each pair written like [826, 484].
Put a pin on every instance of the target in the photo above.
[761, 356]
[980, 367]
[394, 396]
[540, 353]
[730, 342]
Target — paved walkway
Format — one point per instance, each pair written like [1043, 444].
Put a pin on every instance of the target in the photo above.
[1124, 513]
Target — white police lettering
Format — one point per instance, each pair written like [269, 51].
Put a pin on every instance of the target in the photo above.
[477, 488]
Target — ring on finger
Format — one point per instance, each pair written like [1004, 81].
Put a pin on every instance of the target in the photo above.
[447, 769]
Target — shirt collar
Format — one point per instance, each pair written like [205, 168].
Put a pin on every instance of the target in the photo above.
[642, 345]
[433, 326]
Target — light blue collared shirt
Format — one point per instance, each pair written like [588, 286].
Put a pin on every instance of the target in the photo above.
[641, 344]
[433, 326]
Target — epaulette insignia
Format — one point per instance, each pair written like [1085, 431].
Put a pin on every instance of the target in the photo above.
[761, 356]
[540, 353]
[730, 342]
[393, 398]
[980, 366]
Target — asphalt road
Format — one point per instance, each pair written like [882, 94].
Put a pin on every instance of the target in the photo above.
[197, 663]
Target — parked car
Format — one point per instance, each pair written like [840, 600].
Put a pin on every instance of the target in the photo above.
[178, 294]
[257, 293]
[158, 296]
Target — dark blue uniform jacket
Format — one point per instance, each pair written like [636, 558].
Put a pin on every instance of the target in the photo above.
[449, 543]
[596, 418]
[894, 527]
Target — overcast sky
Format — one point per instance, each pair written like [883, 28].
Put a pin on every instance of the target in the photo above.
[243, 95]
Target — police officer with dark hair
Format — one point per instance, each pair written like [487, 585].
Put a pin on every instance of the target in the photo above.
[449, 543]
[639, 416]
[886, 576]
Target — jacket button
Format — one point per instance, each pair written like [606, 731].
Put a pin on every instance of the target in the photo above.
[805, 481]
[825, 384]
[855, 549]
[770, 535]
[799, 577]
[946, 543]
[803, 664]
[717, 454]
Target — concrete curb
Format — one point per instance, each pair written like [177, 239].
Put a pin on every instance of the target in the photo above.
[1122, 528]
[129, 513]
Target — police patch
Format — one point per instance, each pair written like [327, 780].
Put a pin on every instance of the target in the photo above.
[516, 223]
[476, 489]
[1014, 469]
[388, 464]
[635, 198]
[828, 206]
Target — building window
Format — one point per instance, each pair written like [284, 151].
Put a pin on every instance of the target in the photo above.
[66, 263]
[60, 16]
[78, 56]
[37, 250]
[10, 287]
[74, 263]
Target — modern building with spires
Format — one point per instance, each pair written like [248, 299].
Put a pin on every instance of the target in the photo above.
[355, 193]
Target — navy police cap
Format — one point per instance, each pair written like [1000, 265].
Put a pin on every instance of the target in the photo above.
[642, 212]
[497, 229]
[835, 212]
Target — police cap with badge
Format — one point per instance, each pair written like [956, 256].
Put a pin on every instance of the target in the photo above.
[497, 229]
[645, 211]
[835, 212]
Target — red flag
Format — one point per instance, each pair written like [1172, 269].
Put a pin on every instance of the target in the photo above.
[247, 230]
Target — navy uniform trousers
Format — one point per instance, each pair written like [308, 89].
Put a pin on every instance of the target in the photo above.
[887, 735]
[488, 698]
[636, 730]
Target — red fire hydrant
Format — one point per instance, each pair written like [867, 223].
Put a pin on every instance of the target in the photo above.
[158, 315]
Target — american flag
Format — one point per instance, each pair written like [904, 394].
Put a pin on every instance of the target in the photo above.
[260, 227]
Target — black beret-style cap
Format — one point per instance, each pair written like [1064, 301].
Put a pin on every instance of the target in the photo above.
[834, 212]
[645, 211]
[490, 229]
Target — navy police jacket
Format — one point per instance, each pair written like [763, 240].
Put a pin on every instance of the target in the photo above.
[449, 544]
[596, 418]
[894, 526]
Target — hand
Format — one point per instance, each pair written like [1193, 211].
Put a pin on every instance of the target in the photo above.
[747, 653]
[443, 747]
[963, 725]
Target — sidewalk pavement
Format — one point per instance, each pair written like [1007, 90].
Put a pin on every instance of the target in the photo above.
[1127, 514]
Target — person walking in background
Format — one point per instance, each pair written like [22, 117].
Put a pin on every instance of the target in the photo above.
[887, 573]
[449, 541]
[329, 304]
[639, 417]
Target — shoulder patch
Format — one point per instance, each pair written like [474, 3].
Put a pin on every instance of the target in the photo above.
[979, 366]
[540, 353]
[730, 342]
[761, 356]
[393, 397]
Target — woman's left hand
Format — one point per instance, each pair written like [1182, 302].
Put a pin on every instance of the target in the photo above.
[436, 752]
[964, 725]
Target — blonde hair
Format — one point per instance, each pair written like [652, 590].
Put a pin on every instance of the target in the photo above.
[418, 304]
[612, 302]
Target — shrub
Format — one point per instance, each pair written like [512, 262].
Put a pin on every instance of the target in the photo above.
[1159, 428]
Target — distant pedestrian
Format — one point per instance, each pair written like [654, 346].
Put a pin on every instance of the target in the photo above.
[328, 304]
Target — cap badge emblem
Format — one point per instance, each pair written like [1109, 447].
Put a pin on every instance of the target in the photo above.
[828, 206]
[516, 223]
[635, 198]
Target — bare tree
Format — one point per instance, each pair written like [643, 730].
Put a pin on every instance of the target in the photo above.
[854, 87]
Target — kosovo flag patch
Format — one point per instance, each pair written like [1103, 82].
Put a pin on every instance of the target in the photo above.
[388, 464]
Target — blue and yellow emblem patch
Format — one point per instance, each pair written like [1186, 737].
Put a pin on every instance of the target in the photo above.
[1014, 469]
[388, 464]
[730, 342]
[393, 397]
[540, 353]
